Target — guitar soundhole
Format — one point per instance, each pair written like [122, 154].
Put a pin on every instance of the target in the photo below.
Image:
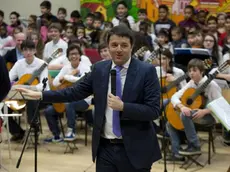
[189, 101]
[164, 90]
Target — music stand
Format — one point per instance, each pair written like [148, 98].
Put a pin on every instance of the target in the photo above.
[182, 56]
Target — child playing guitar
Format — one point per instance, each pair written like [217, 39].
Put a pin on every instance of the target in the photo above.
[188, 116]
[71, 73]
[28, 65]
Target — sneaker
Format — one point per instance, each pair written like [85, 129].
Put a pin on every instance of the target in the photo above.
[175, 158]
[55, 139]
[70, 135]
[190, 151]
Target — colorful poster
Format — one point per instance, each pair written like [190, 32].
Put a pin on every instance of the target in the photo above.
[107, 7]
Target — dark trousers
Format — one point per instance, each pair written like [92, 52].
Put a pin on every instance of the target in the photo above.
[112, 158]
[14, 127]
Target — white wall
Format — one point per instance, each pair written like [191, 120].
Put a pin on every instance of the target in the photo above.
[27, 7]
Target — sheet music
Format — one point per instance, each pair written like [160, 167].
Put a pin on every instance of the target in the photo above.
[221, 109]
[16, 95]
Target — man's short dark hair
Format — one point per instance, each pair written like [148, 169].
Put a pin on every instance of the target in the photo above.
[56, 26]
[1, 13]
[102, 46]
[122, 31]
[27, 44]
[46, 4]
[165, 7]
[122, 3]
[72, 47]
[190, 7]
[75, 14]
[63, 10]
[196, 63]
[142, 11]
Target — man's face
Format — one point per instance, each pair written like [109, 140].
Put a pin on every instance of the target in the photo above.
[44, 10]
[54, 34]
[61, 15]
[3, 30]
[121, 10]
[162, 14]
[162, 39]
[175, 36]
[69, 33]
[120, 49]
[195, 74]
[188, 13]
[28, 53]
[19, 38]
[74, 58]
[142, 16]
[97, 24]
[192, 40]
[104, 52]
[89, 21]
[212, 25]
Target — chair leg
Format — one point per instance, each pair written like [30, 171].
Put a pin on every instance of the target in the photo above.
[86, 132]
[209, 145]
[61, 125]
[213, 145]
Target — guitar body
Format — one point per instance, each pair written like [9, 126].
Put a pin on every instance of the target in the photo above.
[173, 115]
[170, 92]
[60, 107]
[20, 104]
[25, 78]
[197, 103]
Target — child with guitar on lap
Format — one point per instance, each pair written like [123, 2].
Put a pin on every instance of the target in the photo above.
[72, 73]
[169, 73]
[28, 65]
[189, 116]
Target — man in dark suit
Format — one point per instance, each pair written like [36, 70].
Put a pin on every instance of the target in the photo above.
[4, 80]
[123, 138]
[15, 54]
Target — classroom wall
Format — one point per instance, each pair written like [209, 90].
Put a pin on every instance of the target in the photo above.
[27, 7]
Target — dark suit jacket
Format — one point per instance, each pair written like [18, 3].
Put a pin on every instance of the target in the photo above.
[4, 80]
[141, 97]
[11, 56]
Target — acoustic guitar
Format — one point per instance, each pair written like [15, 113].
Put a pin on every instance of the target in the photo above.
[31, 79]
[9, 65]
[192, 98]
[60, 107]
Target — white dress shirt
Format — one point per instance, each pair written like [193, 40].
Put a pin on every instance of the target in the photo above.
[21, 67]
[211, 92]
[50, 47]
[176, 73]
[108, 127]
[66, 73]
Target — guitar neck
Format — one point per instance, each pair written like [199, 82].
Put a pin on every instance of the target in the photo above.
[36, 74]
[176, 82]
[204, 85]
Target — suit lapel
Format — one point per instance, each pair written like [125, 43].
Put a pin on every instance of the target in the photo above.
[104, 82]
[130, 78]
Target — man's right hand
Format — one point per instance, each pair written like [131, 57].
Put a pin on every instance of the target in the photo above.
[35, 95]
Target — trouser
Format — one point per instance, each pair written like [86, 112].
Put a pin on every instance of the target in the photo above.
[190, 131]
[71, 109]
